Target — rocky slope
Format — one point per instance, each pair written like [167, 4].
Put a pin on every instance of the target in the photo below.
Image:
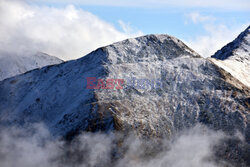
[190, 90]
[235, 57]
[13, 64]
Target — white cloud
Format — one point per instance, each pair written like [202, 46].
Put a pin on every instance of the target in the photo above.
[222, 4]
[35, 146]
[216, 34]
[193, 147]
[67, 33]
[128, 28]
[196, 17]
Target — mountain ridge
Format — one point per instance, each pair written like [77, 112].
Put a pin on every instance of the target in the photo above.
[194, 91]
[12, 64]
[235, 57]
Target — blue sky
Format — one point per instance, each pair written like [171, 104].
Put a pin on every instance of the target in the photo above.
[166, 20]
[170, 19]
[204, 25]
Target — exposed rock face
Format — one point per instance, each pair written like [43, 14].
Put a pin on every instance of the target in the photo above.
[235, 57]
[193, 90]
[12, 64]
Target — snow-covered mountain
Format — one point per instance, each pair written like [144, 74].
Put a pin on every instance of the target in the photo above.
[235, 57]
[13, 64]
[167, 87]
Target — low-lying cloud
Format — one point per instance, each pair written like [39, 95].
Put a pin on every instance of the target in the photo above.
[35, 146]
[67, 32]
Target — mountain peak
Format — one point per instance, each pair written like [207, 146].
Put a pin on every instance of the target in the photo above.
[148, 48]
[12, 64]
[240, 47]
[235, 57]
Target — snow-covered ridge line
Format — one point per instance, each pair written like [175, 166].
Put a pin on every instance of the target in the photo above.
[242, 42]
[12, 64]
[235, 57]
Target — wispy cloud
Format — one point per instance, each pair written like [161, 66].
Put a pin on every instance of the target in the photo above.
[129, 29]
[215, 36]
[222, 4]
[67, 33]
[196, 17]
